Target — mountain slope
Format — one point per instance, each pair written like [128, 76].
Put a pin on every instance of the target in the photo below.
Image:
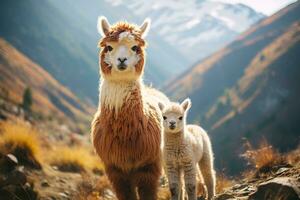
[263, 104]
[49, 97]
[226, 87]
[226, 66]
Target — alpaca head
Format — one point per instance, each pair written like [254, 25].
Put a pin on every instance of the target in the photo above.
[122, 49]
[174, 115]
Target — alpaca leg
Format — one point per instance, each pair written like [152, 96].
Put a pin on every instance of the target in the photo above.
[174, 181]
[206, 167]
[182, 193]
[146, 179]
[201, 191]
[121, 183]
[190, 173]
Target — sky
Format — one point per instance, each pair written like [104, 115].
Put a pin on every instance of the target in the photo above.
[267, 7]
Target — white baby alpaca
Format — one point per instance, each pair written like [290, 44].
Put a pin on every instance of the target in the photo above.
[185, 147]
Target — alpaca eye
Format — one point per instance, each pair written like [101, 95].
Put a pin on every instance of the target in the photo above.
[180, 118]
[164, 117]
[109, 48]
[134, 48]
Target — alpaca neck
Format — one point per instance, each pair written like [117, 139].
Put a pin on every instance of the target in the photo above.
[114, 94]
[174, 138]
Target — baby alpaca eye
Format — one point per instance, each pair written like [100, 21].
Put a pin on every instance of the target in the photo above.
[134, 48]
[180, 118]
[109, 48]
[164, 117]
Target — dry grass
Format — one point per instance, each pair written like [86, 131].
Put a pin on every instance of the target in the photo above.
[264, 155]
[74, 159]
[293, 157]
[223, 182]
[22, 141]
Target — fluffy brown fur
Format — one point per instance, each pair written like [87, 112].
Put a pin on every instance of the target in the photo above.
[128, 139]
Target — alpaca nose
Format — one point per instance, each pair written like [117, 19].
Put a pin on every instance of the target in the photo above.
[122, 60]
[172, 123]
[122, 66]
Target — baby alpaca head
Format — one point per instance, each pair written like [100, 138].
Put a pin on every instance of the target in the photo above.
[174, 115]
[122, 49]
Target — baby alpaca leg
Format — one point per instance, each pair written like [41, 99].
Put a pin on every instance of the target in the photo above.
[206, 167]
[201, 191]
[174, 180]
[190, 173]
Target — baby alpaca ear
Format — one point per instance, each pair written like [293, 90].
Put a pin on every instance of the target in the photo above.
[161, 106]
[103, 26]
[186, 104]
[145, 27]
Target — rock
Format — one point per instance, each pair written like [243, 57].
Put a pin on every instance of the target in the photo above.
[237, 186]
[15, 177]
[225, 196]
[64, 195]
[270, 169]
[62, 180]
[10, 192]
[26, 158]
[5, 194]
[8, 163]
[45, 183]
[278, 188]
[281, 170]
[3, 116]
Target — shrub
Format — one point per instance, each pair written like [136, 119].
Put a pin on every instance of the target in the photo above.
[262, 156]
[265, 158]
[27, 99]
[293, 157]
[22, 141]
[223, 182]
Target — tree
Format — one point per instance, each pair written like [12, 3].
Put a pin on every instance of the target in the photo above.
[27, 99]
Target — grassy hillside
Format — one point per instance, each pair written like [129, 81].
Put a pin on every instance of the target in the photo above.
[248, 88]
[50, 98]
[48, 38]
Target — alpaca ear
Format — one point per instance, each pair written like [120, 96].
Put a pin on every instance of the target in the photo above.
[186, 104]
[161, 106]
[103, 26]
[145, 27]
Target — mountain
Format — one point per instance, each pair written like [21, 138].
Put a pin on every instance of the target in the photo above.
[195, 28]
[61, 36]
[50, 98]
[248, 89]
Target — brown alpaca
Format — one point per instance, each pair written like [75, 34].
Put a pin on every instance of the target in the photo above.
[127, 128]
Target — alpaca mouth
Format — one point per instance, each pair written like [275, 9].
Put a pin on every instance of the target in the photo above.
[172, 127]
[122, 66]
